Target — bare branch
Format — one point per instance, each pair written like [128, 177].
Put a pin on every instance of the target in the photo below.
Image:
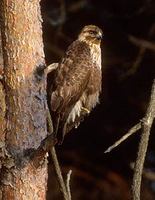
[68, 184]
[59, 174]
[133, 130]
[48, 145]
[57, 168]
[146, 127]
[140, 56]
[145, 124]
[51, 68]
[142, 43]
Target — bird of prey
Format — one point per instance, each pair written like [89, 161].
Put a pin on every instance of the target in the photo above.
[77, 82]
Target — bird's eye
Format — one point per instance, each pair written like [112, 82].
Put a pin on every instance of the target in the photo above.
[92, 32]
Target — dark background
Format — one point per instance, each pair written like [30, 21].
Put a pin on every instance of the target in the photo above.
[128, 71]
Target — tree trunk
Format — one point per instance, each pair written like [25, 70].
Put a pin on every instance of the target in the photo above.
[25, 99]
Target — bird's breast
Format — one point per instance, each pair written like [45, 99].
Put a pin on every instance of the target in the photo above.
[96, 54]
[89, 99]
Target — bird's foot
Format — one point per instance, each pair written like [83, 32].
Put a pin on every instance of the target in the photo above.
[85, 110]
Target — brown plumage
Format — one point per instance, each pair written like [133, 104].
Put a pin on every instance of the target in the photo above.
[77, 82]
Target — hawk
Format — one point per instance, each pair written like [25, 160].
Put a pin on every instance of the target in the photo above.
[77, 82]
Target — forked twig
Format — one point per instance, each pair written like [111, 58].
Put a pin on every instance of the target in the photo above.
[133, 130]
[65, 189]
[59, 174]
[145, 125]
[142, 43]
[142, 50]
[146, 128]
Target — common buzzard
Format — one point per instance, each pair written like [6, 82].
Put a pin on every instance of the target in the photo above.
[77, 82]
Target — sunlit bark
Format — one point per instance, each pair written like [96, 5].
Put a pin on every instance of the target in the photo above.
[25, 100]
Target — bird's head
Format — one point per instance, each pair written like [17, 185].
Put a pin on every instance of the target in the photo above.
[91, 34]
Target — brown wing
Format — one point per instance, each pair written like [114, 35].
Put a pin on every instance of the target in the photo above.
[70, 81]
[92, 91]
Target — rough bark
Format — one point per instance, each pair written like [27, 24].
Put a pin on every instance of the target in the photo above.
[25, 100]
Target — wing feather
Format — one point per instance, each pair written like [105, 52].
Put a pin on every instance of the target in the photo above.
[70, 81]
[72, 77]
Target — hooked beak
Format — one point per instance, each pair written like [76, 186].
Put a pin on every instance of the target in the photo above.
[99, 36]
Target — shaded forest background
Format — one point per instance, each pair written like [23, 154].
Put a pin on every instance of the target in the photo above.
[128, 71]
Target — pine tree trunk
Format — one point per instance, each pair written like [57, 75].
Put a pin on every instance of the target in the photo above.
[25, 100]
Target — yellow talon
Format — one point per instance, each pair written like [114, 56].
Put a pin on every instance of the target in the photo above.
[85, 110]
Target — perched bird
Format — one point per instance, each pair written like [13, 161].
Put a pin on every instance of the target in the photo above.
[77, 82]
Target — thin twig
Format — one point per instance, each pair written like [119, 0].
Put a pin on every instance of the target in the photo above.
[59, 174]
[68, 184]
[51, 67]
[56, 163]
[133, 130]
[48, 145]
[146, 127]
[136, 64]
[140, 55]
[142, 43]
